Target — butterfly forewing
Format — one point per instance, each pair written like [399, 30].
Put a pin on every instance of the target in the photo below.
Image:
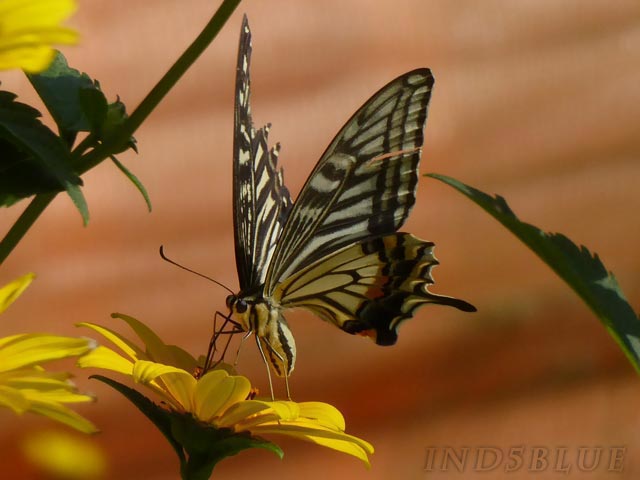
[364, 184]
[368, 288]
[261, 201]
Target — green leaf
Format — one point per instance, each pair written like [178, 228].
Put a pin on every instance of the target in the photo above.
[77, 104]
[34, 159]
[581, 270]
[133, 179]
[20, 177]
[198, 446]
[158, 416]
[94, 107]
[64, 90]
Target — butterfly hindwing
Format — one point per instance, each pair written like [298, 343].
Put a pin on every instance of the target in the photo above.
[364, 184]
[370, 287]
[261, 201]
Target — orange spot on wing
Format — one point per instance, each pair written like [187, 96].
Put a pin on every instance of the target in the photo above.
[372, 334]
[376, 290]
[384, 156]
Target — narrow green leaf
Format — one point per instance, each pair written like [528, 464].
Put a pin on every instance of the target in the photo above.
[133, 179]
[80, 202]
[581, 270]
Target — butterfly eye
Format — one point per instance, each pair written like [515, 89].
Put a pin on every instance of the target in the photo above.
[241, 306]
[231, 299]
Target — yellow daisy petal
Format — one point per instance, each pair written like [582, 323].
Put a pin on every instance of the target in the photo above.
[156, 348]
[127, 347]
[33, 348]
[279, 411]
[103, 357]
[341, 442]
[28, 28]
[37, 382]
[13, 399]
[21, 14]
[235, 414]
[323, 413]
[145, 334]
[216, 391]
[178, 386]
[34, 372]
[62, 414]
[10, 292]
[145, 371]
[60, 395]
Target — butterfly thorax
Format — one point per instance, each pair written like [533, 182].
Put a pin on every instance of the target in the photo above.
[259, 315]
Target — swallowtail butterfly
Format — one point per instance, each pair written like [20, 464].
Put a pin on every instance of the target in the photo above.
[336, 250]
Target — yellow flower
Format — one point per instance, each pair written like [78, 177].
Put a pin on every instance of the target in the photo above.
[24, 385]
[65, 456]
[29, 28]
[219, 399]
[13, 290]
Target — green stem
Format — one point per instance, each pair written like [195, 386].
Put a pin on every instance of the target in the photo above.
[24, 222]
[123, 134]
[166, 83]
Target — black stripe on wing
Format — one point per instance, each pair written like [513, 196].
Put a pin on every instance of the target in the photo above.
[364, 184]
[261, 201]
[369, 288]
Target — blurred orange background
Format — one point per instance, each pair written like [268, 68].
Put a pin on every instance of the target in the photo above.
[538, 101]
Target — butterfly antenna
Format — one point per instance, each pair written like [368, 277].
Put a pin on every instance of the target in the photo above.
[167, 259]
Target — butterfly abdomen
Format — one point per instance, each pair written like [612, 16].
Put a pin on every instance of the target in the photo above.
[264, 319]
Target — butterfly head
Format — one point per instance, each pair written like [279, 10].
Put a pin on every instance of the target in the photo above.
[240, 308]
[237, 304]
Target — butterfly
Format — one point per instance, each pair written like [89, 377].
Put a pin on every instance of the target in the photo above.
[336, 251]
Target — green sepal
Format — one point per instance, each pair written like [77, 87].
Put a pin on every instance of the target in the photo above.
[115, 117]
[199, 446]
[583, 271]
[206, 445]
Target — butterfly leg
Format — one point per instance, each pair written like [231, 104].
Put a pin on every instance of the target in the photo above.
[266, 363]
[281, 362]
[236, 328]
[242, 340]
[286, 384]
